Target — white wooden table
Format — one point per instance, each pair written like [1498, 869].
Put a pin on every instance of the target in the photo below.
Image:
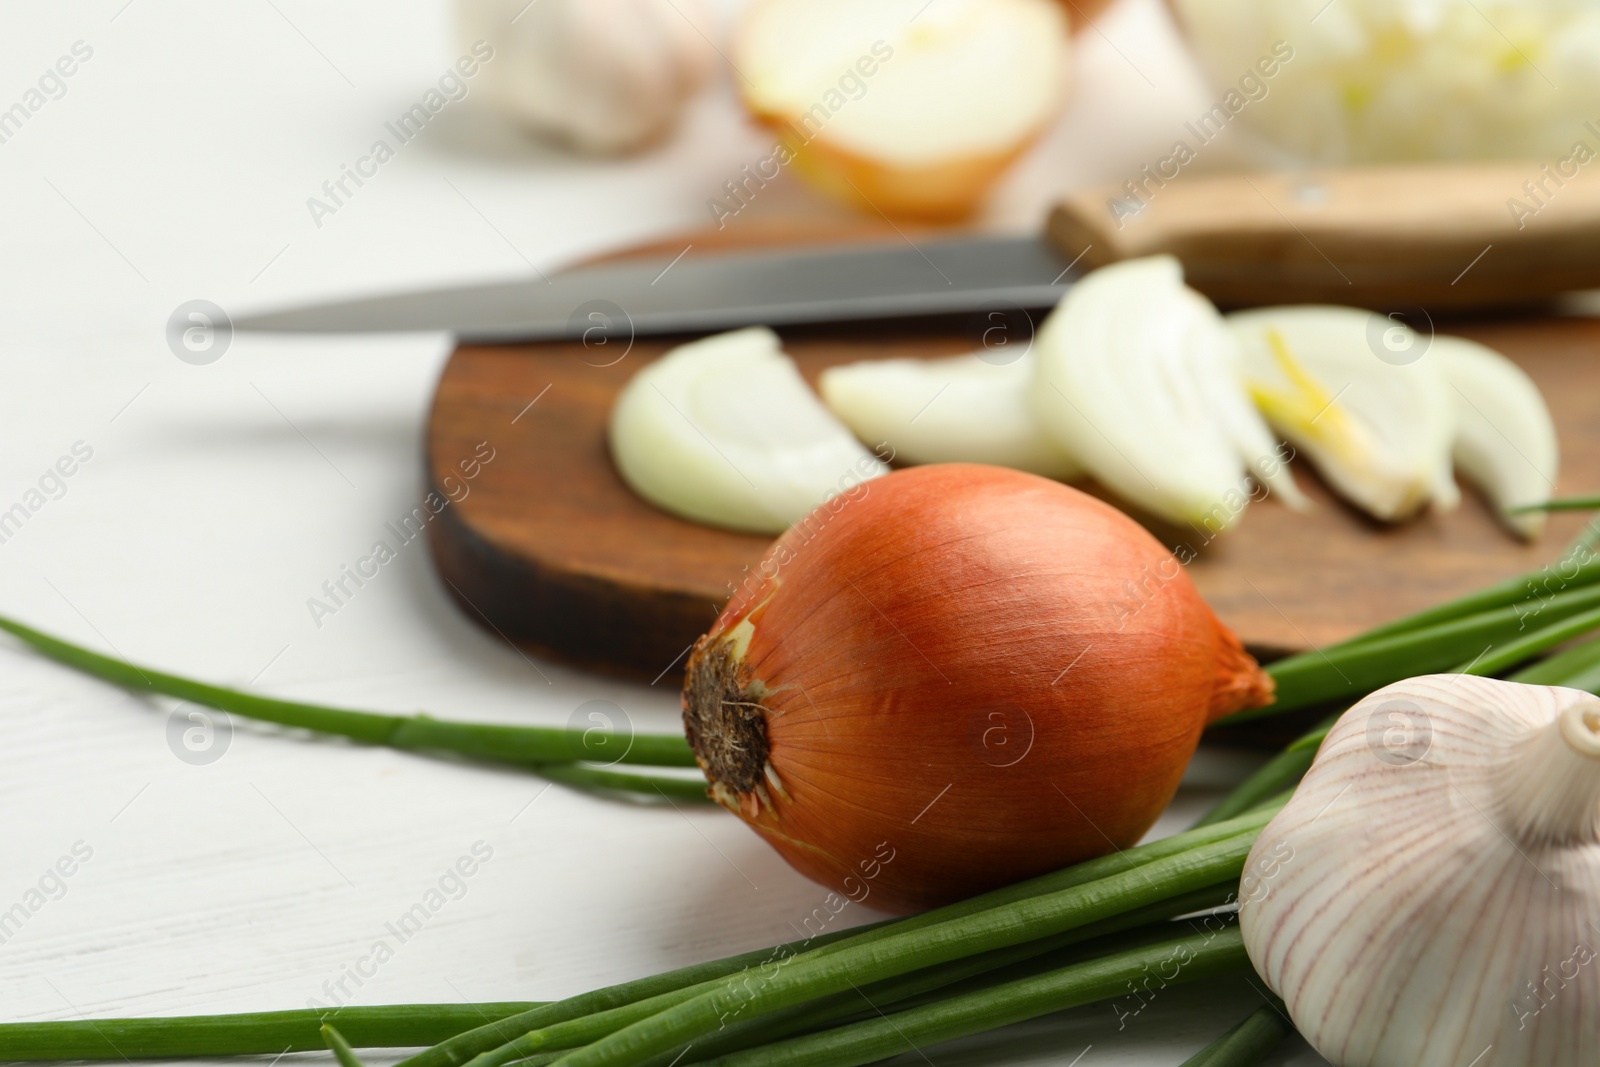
[216, 499]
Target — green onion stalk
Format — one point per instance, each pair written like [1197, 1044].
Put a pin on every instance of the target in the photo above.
[248, 1034]
[1572, 503]
[342, 1052]
[555, 752]
[1576, 668]
[1248, 1043]
[599, 1010]
[1146, 885]
[837, 968]
[1349, 671]
[1195, 957]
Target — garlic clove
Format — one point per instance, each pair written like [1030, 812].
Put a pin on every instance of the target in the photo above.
[604, 76]
[1138, 378]
[1378, 430]
[725, 431]
[1430, 896]
[1505, 438]
[960, 410]
[910, 107]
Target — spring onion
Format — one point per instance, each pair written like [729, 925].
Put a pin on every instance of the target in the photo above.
[1248, 1043]
[539, 747]
[253, 1033]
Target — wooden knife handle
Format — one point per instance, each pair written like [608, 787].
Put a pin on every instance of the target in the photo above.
[1440, 236]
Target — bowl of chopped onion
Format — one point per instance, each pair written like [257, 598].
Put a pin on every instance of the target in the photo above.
[1372, 81]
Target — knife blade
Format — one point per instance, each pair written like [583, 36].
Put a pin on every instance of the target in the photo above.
[714, 291]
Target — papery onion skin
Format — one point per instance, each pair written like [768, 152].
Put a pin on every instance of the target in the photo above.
[955, 677]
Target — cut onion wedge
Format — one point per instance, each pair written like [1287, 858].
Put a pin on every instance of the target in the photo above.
[1361, 395]
[910, 107]
[960, 410]
[1139, 379]
[725, 431]
[1505, 439]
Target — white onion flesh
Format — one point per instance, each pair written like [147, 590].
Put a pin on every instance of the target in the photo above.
[1505, 438]
[1378, 428]
[725, 431]
[1395, 80]
[951, 79]
[959, 410]
[1138, 378]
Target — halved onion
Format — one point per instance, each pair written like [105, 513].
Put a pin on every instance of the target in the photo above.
[725, 431]
[959, 410]
[910, 107]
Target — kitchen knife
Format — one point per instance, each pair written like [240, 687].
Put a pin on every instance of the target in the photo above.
[714, 291]
[1437, 237]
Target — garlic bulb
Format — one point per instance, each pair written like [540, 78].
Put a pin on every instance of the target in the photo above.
[605, 76]
[725, 431]
[1361, 395]
[1505, 439]
[1430, 897]
[1138, 378]
[960, 410]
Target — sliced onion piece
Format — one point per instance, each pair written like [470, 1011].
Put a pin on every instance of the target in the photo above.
[1217, 367]
[1378, 427]
[1138, 378]
[1505, 438]
[960, 410]
[725, 431]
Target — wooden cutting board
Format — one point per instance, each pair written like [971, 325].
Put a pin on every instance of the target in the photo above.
[544, 544]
